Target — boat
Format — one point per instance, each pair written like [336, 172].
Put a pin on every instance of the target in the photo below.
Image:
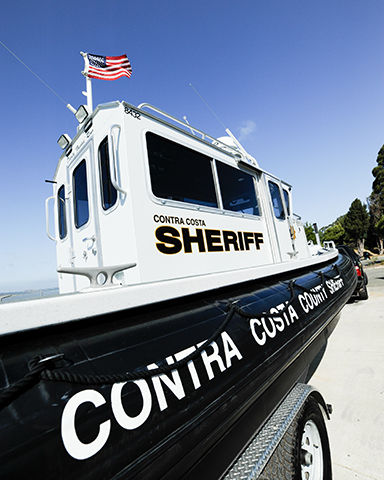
[190, 304]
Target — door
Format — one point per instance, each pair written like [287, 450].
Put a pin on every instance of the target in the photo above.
[280, 208]
[84, 238]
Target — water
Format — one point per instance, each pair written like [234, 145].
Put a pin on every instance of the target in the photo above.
[28, 295]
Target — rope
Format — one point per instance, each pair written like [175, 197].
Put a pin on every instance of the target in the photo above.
[39, 371]
[291, 286]
[30, 379]
[39, 365]
[142, 373]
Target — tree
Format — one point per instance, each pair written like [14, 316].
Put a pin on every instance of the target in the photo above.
[376, 199]
[376, 211]
[380, 226]
[335, 232]
[310, 232]
[356, 223]
[378, 173]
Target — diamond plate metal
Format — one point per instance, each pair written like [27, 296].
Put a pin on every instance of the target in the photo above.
[254, 458]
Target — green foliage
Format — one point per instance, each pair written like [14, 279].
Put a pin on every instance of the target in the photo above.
[380, 226]
[335, 232]
[376, 203]
[374, 207]
[358, 225]
[356, 221]
[378, 183]
[310, 232]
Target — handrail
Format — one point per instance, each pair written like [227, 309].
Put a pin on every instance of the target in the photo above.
[47, 218]
[239, 150]
[113, 160]
[186, 125]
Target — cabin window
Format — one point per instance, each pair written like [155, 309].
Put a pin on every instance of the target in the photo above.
[276, 201]
[108, 191]
[237, 190]
[81, 194]
[180, 173]
[62, 216]
[286, 198]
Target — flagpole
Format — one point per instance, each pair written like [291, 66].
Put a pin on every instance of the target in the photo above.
[88, 84]
[89, 95]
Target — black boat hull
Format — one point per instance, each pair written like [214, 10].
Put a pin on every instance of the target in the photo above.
[175, 420]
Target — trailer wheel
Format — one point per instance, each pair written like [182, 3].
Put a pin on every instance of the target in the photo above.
[303, 453]
[280, 465]
[312, 452]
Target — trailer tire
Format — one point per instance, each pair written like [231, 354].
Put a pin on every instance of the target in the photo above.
[312, 455]
[303, 453]
[281, 465]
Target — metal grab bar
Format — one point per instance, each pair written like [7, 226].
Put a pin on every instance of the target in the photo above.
[47, 217]
[113, 160]
[177, 120]
[244, 156]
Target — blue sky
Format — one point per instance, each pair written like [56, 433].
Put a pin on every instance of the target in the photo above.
[299, 82]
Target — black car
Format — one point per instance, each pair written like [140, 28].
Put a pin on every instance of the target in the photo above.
[362, 279]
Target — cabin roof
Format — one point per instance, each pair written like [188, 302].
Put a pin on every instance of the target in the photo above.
[239, 154]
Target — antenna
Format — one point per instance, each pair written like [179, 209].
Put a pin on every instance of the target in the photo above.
[68, 105]
[253, 162]
[208, 106]
[186, 121]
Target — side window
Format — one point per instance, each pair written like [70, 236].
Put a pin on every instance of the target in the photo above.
[180, 173]
[62, 215]
[108, 191]
[286, 198]
[80, 194]
[237, 190]
[276, 200]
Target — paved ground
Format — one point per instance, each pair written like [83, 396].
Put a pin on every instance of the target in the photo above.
[351, 378]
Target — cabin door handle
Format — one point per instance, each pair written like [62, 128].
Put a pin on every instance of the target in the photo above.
[47, 217]
[112, 150]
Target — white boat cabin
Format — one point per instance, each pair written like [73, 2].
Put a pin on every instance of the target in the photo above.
[147, 209]
[141, 197]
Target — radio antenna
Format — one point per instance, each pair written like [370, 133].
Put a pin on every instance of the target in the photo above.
[42, 81]
[225, 128]
[253, 162]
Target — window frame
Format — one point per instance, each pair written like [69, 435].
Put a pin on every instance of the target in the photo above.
[75, 198]
[62, 213]
[107, 166]
[282, 216]
[286, 196]
[197, 204]
[219, 207]
[254, 180]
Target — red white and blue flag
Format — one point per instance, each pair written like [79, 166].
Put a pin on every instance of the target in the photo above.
[107, 68]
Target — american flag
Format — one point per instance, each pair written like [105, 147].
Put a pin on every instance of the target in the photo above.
[107, 68]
